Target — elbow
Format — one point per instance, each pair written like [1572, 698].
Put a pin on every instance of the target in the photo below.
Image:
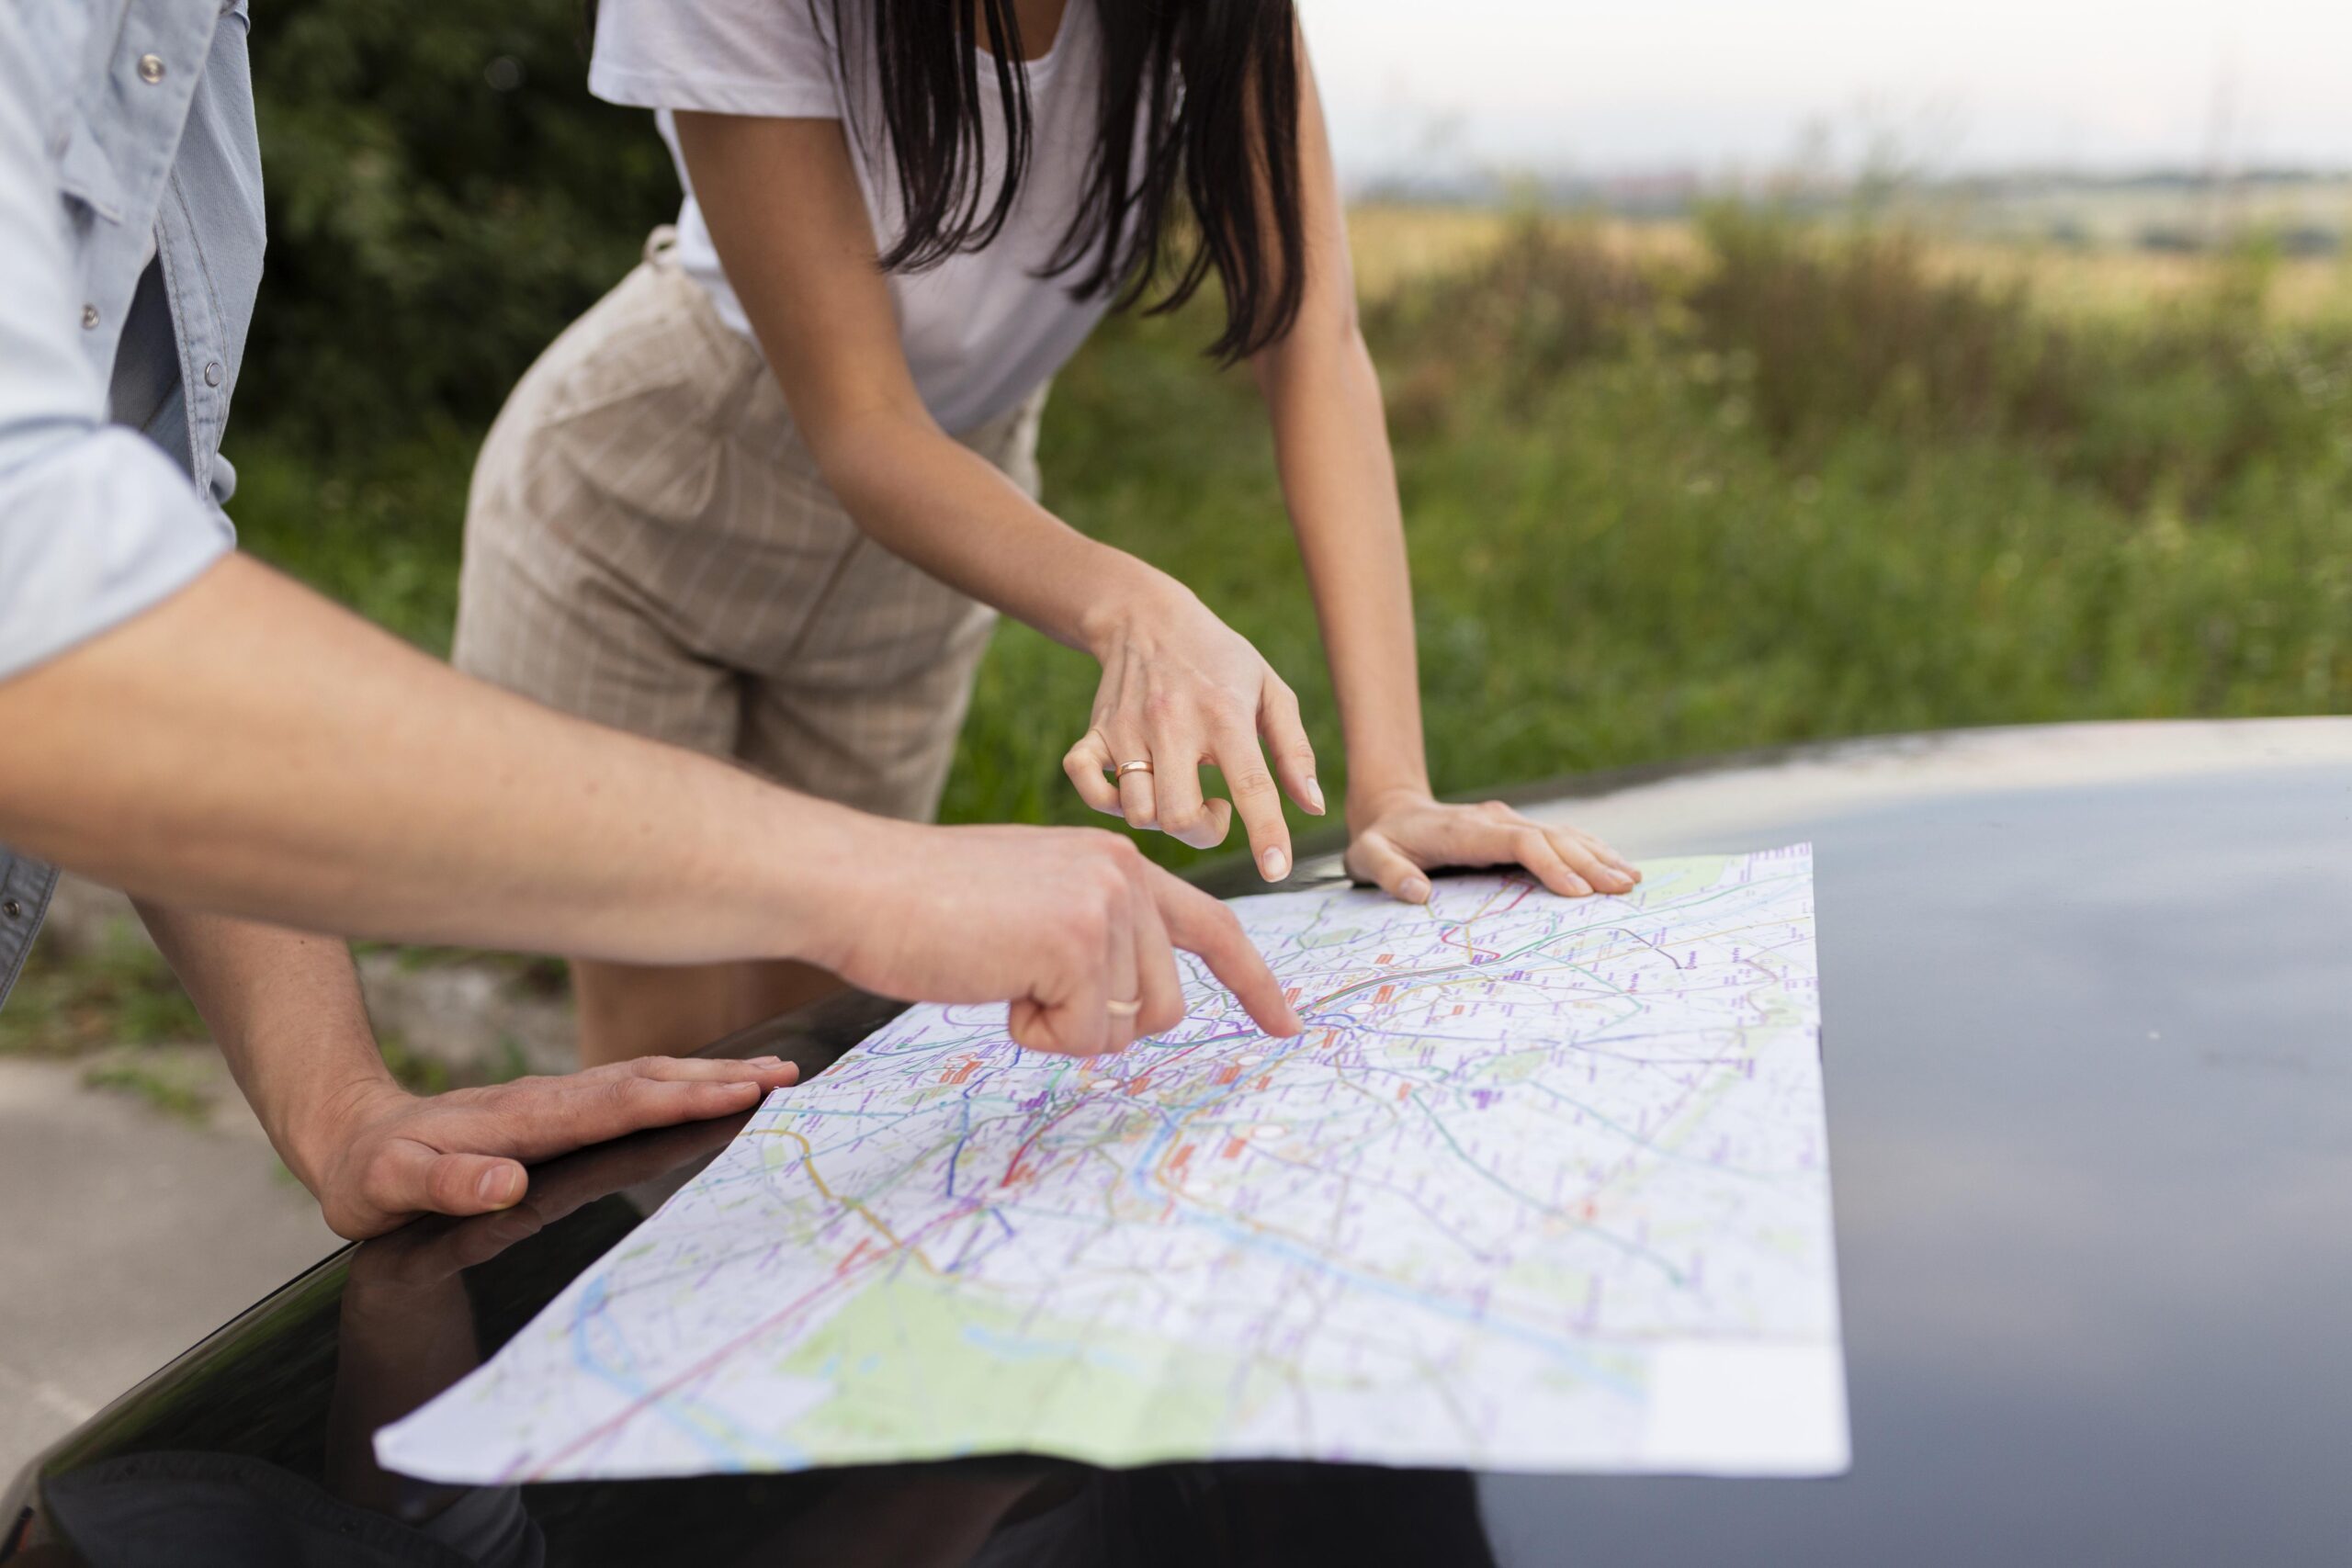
[1327, 336]
[845, 443]
[860, 450]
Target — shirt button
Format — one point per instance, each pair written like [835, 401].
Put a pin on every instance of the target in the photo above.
[212, 374]
[12, 909]
[150, 69]
[89, 317]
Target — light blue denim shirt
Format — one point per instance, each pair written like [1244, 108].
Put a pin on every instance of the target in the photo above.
[131, 244]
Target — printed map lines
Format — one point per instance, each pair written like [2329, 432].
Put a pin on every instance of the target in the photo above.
[1527, 1148]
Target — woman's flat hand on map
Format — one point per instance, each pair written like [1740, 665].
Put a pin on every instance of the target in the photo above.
[1071, 926]
[1396, 840]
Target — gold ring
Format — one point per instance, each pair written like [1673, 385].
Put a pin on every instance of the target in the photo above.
[1142, 766]
[1118, 1009]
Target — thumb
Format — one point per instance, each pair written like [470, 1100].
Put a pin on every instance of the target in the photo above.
[412, 1178]
[1374, 857]
[473, 1184]
[1030, 1023]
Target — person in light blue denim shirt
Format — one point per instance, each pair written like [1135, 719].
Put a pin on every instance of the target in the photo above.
[156, 158]
[255, 764]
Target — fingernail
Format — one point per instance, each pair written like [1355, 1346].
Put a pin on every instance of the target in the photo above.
[768, 1061]
[1277, 863]
[494, 1185]
[1414, 890]
[1315, 796]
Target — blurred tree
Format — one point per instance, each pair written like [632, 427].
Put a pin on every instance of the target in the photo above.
[444, 197]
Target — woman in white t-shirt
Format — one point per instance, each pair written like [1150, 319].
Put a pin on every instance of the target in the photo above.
[765, 498]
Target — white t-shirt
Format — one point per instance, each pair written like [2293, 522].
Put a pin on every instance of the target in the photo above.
[981, 331]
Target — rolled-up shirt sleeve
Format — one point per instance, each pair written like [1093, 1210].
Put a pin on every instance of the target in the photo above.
[96, 524]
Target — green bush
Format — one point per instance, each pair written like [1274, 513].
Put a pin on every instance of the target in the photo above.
[2182, 400]
[444, 195]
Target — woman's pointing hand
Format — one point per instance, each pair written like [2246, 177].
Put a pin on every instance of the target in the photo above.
[1181, 690]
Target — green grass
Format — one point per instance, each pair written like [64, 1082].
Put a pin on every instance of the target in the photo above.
[416, 1072]
[423, 1073]
[118, 992]
[1801, 486]
[165, 1090]
[379, 531]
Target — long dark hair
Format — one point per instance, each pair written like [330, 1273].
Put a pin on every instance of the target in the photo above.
[1207, 89]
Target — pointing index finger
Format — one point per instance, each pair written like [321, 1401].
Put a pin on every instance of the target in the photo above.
[1198, 923]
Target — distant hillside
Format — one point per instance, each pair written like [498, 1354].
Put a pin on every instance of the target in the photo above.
[2302, 212]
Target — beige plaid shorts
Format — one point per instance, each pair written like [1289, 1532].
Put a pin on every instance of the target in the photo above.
[650, 545]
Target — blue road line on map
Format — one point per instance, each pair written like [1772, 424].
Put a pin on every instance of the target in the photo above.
[1256, 1241]
[1581, 1360]
[641, 1395]
[963, 1136]
[1171, 1120]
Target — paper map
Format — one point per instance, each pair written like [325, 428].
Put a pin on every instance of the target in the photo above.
[1543, 1187]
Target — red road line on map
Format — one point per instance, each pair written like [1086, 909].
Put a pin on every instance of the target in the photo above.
[907, 1244]
[1013, 1166]
[1462, 927]
[647, 1400]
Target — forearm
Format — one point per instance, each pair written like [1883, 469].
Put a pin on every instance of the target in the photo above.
[790, 223]
[1339, 482]
[248, 747]
[286, 1010]
[935, 503]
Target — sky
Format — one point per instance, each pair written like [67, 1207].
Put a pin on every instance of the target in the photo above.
[1715, 86]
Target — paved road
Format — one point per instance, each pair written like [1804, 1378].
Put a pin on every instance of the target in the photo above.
[124, 1237]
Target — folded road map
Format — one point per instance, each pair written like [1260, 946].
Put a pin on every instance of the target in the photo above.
[1544, 1186]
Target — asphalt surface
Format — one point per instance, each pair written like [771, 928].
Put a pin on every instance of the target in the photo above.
[125, 1237]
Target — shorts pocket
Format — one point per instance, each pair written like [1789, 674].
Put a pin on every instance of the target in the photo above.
[636, 397]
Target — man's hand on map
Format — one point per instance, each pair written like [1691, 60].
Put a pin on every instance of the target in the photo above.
[416, 1257]
[381, 1155]
[1071, 926]
[407, 1328]
[1396, 840]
